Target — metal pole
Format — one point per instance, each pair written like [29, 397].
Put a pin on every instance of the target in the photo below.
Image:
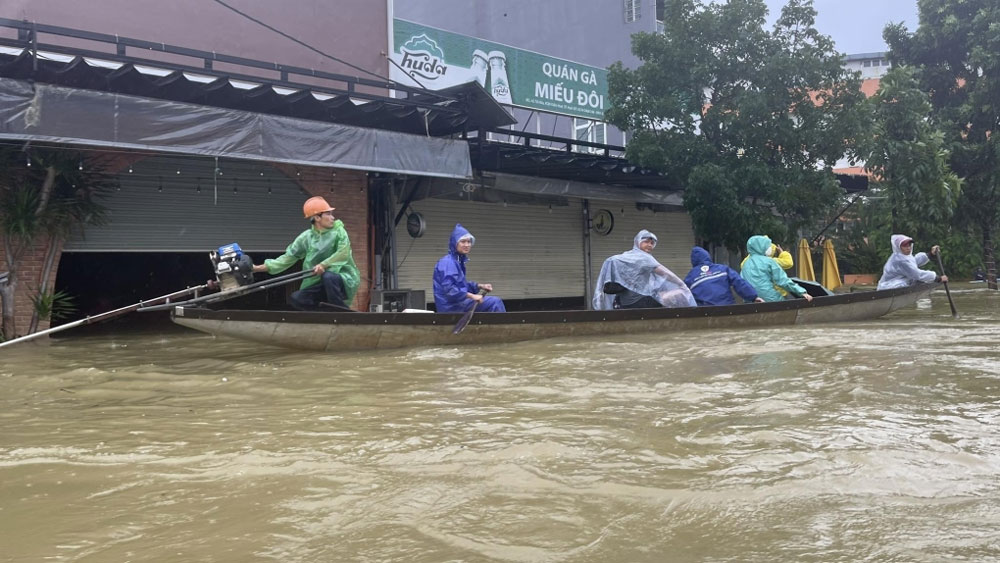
[842, 211]
[588, 282]
[390, 204]
[105, 315]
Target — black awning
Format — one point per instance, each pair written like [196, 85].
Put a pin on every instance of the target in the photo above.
[587, 164]
[53, 114]
[484, 111]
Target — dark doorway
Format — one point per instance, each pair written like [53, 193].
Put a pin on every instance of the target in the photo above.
[102, 281]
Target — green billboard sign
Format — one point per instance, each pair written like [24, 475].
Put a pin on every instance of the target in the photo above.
[436, 59]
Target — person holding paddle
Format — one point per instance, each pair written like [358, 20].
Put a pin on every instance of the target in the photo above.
[325, 249]
[452, 292]
[902, 269]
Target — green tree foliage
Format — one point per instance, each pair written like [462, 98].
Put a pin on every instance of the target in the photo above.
[956, 53]
[748, 121]
[907, 154]
[42, 204]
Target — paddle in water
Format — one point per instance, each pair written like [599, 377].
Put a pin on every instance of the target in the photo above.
[464, 321]
[954, 312]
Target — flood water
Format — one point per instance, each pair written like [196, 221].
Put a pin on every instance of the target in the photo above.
[876, 441]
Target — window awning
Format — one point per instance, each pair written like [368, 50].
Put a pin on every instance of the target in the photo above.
[53, 114]
[535, 189]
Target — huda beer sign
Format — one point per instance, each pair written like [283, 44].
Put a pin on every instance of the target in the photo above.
[436, 59]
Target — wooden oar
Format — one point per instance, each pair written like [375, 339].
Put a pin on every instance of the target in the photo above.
[106, 315]
[464, 321]
[954, 312]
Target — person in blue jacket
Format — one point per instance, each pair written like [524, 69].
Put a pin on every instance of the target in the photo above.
[764, 274]
[452, 292]
[712, 283]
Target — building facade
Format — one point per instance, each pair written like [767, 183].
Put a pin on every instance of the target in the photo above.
[546, 63]
[179, 102]
[256, 107]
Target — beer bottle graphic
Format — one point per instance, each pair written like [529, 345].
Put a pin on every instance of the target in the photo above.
[480, 66]
[499, 85]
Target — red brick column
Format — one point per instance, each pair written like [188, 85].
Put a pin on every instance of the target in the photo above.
[29, 279]
[347, 192]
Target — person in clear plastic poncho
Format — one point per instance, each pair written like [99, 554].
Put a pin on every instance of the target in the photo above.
[902, 269]
[638, 280]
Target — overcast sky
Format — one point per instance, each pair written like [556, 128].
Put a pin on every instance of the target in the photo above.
[856, 25]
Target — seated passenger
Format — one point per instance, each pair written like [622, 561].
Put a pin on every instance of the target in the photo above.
[782, 257]
[452, 292]
[634, 280]
[713, 284]
[902, 269]
[765, 275]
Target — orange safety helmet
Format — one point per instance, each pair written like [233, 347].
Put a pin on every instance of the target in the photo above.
[315, 206]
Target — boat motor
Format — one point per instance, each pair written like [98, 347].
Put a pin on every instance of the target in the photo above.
[233, 269]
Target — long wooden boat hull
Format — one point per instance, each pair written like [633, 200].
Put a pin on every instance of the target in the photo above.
[339, 331]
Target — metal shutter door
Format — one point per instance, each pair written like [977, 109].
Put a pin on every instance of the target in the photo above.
[159, 210]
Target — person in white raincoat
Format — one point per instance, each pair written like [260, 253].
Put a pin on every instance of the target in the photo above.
[639, 280]
[902, 269]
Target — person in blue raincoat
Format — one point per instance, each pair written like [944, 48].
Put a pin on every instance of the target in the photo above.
[902, 269]
[639, 281]
[763, 273]
[452, 292]
[713, 284]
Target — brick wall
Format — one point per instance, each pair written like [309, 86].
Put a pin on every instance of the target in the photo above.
[347, 192]
[29, 279]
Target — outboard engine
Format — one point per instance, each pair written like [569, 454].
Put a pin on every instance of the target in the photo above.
[232, 268]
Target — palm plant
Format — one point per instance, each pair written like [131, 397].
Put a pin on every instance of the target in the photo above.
[53, 306]
[45, 194]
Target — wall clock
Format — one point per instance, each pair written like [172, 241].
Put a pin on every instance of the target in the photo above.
[603, 222]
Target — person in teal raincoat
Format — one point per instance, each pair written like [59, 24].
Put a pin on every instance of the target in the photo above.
[325, 249]
[763, 273]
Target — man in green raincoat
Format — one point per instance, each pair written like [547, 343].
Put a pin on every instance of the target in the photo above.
[765, 275]
[325, 249]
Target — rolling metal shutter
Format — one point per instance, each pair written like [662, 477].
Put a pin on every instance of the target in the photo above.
[673, 230]
[525, 251]
[170, 204]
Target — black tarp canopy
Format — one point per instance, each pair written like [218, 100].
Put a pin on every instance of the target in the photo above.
[44, 113]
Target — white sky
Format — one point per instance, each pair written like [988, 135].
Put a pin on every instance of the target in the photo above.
[856, 25]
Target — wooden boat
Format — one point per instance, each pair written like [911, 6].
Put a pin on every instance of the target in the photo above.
[342, 331]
